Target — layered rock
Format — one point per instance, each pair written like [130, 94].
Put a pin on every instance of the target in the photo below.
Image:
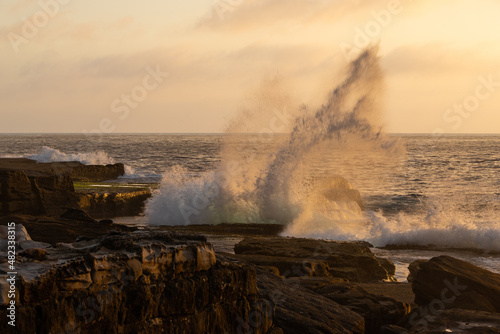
[308, 257]
[453, 296]
[113, 204]
[55, 230]
[144, 282]
[90, 173]
[377, 310]
[22, 239]
[301, 311]
[34, 192]
[74, 169]
[31, 188]
[454, 283]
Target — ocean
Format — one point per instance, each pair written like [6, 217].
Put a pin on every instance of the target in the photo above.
[442, 190]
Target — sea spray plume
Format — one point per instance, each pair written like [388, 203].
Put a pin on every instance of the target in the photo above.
[261, 177]
[228, 193]
[352, 112]
[268, 114]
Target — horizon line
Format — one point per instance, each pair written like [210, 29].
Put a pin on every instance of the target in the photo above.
[226, 133]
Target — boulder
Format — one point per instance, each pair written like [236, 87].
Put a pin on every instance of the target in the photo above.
[377, 310]
[301, 311]
[142, 282]
[446, 282]
[309, 257]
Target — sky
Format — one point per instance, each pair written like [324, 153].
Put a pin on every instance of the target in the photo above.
[165, 66]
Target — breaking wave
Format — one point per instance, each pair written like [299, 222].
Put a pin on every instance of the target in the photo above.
[49, 154]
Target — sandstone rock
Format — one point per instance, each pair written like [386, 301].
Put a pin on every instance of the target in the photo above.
[22, 239]
[287, 266]
[37, 254]
[76, 214]
[33, 192]
[299, 310]
[56, 230]
[350, 260]
[113, 204]
[377, 310]
[28, 187]
[90, 173]
[73, 169]
[452, 321]
[413, 268]
[143, 282]
[446, 282]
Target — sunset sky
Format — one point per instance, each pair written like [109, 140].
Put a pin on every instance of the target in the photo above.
[68, 65]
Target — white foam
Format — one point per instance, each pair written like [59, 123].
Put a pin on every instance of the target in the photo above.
[439, 228]
[49, 154]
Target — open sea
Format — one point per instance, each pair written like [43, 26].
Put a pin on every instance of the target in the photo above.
[443, 191]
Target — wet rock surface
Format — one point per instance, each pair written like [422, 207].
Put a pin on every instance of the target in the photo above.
[142, 282]
[377, 310]
[456, 283]
[28, 187]
[114, 204]
[74, 169]
[299, 310]
[353, 261]
[453, 297]
[33, 192]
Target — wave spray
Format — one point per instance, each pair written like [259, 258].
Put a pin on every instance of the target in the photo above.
[269, 176]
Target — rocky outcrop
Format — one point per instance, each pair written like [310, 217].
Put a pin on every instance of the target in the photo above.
[113, 204]
[452, 283]
[143, 282]
[34, 192]
[377, 310]
[22, 238]
[74, 169]
[90, 173]
[301, 311]
[28, 187]
[453, 296]
[55, 230]
[353, 261]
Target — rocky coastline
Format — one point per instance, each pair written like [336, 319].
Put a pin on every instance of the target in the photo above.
[78, 274]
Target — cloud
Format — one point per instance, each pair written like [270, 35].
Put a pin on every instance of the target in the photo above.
[438, 59]
[242, 15]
